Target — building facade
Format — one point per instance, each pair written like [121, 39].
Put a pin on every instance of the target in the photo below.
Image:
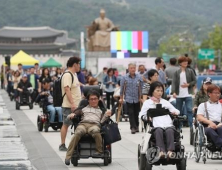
[39, 42]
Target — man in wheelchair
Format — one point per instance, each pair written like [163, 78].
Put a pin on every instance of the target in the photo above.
[162, 124]
[23, 87]
[209, 114]
[46, 97]
[91, 119]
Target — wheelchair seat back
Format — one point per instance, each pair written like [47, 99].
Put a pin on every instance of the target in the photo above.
[86, 89]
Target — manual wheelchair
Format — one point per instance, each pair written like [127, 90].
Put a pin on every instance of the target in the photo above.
[148, 151]
[24, 99]
[86, 145]
[43, 120]
[204, 146]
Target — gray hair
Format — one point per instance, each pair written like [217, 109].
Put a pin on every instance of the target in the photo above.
[131, 64]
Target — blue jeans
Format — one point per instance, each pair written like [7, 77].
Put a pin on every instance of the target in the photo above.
[188, 102]
[52, 110]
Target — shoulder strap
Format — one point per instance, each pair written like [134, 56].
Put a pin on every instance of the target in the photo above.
[72, 81]
[205, 105]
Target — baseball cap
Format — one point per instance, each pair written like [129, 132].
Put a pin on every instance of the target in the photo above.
[24, 75]
[207, 80]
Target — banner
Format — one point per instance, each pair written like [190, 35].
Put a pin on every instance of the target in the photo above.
[122, 64]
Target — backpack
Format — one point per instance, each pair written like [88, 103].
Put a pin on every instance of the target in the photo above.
[57, 91]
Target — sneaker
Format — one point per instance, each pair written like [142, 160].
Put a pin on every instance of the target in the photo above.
[62, 147]
[97, 154]
[137, 129]
[133, 131]
[67, 161]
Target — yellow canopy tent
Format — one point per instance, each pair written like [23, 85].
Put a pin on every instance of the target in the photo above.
[23, 58]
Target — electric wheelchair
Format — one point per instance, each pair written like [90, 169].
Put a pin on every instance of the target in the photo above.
[148, 153]
[204, 146]
[24, 99]
[43, 120]
[86, 146]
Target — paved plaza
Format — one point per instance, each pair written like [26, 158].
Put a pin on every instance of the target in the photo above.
[39, 150]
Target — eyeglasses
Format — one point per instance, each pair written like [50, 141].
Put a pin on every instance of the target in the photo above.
[91, 99]
[216, 93]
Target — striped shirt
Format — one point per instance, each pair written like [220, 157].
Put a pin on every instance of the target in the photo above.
[133, 88]
[92, 115]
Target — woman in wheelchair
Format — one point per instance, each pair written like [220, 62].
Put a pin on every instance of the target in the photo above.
[46, 96]
[162, 124]
[91, 119]
[209, 114]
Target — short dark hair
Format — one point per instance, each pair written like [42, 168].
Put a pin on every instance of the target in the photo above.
[213, 87]
[93, 93]
[45, 80]
[73, 60]
[158, 60]
[151, 73]
[153, 86]
[32, 67]
[19, 64]
[105, 68]
[173, 61]
[109, 70]
[36, 64]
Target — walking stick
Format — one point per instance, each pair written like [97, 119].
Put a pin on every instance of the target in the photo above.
[120, 104]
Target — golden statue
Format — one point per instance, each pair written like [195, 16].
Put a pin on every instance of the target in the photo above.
[98, 33]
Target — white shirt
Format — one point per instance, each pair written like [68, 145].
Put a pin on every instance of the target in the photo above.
[183, 92]
[160, 121]
[214, 111]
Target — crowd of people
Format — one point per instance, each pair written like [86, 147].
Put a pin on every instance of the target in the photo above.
[140, 89]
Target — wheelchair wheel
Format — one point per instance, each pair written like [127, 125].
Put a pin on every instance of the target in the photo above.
[106, 157]
[74, 161]
[110, 155]
[138, 155]
[17, 105]
[182, 164]
[198, 145]
[191, 136]
[142, 163]
[148, 166]
[30, 106]
[39, 124]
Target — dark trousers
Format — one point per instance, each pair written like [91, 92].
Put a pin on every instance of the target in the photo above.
[133, 110]
[215, 135]
[188, 104]
[169, 133]
[2, 84]
[109, 97]
[34, 95]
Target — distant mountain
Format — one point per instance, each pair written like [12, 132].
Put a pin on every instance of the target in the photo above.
[159, 17]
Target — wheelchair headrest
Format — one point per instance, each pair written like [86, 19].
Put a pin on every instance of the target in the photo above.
[157, 112]
[86, 89]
